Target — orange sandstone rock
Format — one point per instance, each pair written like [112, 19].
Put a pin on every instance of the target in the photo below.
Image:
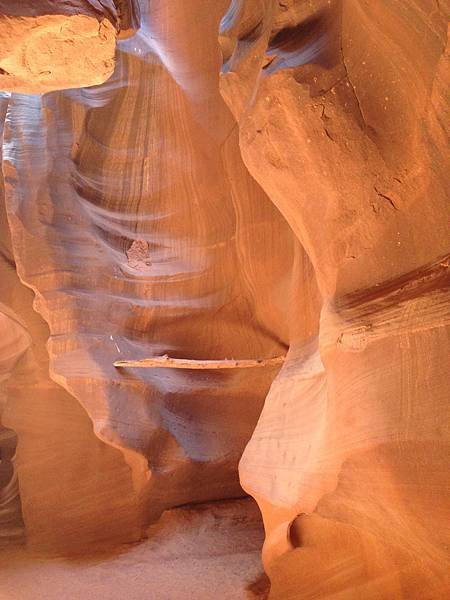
[256, 179]
[48, 45]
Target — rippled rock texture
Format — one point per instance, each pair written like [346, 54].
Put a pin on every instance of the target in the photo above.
[136, 224]
[252, 180]
[344, 123]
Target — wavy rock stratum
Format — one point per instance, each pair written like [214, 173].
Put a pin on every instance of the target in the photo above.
[216, 182]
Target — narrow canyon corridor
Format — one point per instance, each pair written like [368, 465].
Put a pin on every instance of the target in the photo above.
[224, 300]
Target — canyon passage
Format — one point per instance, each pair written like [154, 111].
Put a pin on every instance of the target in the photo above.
[224, 300]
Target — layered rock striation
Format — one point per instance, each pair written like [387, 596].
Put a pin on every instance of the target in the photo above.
[253, 180]
[342, 115]
[137, 226]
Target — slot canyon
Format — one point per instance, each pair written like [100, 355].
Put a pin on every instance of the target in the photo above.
[224, 300]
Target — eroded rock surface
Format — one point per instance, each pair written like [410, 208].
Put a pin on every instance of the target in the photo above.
[341, 109]
[47, 45]
[253, 179]
[138, 227]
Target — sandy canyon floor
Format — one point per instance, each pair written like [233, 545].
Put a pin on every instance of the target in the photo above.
[207, 552]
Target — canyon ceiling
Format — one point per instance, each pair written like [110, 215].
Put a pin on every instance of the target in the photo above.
[216, 181]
